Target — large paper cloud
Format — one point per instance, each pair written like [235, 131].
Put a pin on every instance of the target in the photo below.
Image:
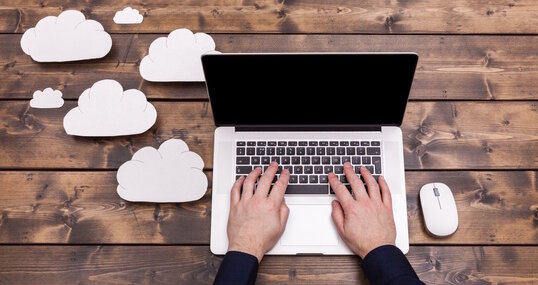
[171, 174]
[47, 99]
[177, 57]
[68, 37]
[106, 110]
[128, 16]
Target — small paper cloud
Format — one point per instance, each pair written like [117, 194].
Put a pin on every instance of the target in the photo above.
[128, 16]
[68, 37]
[106, 110]
[47, 99]
[177, 57]
[171, 174]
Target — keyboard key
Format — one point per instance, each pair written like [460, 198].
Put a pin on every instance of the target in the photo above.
[335, 160]
[292, 143]
[326, 160]
[255, 160]
[301, 151]
[279, 169]
[357, 169]
[376, 161]
[356, 160]
[333, 143]
[251, 143]
[270, 151]
[313, 143]
[366, 160]
[238, 176]
[251, 151]
[313, 179]
[341, 150]
[331, 151]
[275, 158]
[266, 160]
[355, 143]
[308, 169]
[376, 143]
[305, 160]
[328, 169]
[295, 160]
[307, 189]
[323, 179]
[344, 143]
[286, 160]
[262, 143]
[290, 151]
[370, 168]
[316, 160]
[320, 151]
[241, 143]
[243, 169]
[347, 186]
[280, 151]
[289, 168]
[293, 179]
[361, 151]
[342, 178]
[350, 151]
[324, 143]
[376, 177]
[260, 151]
[310, 150]
[271, 143]
[338, 169]
[240, 151]
[282, 143]
[303, 143]
[242, 160]
[364, 143]
[373, 151]
[346, 159]
[318, 169]
[298, 169]
[303, 179]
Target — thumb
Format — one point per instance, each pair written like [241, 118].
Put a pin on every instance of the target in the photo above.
[338, 216]
[284, 213]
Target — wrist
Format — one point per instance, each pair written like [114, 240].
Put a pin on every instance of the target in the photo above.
[252, 250]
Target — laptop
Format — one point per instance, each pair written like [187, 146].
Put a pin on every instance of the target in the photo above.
[310, 112]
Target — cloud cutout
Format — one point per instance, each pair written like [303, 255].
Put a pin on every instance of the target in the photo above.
[171, 174]
[68, 37]
[106, 110]
[47, 99]
[128, 16]
[177, 57]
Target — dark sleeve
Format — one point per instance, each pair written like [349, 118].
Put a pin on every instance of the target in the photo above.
[387, 265]
[237, 268]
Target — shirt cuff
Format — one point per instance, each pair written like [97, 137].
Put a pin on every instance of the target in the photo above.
[237, 268]
[386, 264]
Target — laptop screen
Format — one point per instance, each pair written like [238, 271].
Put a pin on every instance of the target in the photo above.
[309, 89]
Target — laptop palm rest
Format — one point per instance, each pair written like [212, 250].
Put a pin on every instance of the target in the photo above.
[309, 225]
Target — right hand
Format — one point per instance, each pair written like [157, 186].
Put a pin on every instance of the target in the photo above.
[364, 220]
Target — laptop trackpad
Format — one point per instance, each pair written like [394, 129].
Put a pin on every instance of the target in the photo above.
[310, 225]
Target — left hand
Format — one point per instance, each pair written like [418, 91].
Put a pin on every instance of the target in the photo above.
[257, 219]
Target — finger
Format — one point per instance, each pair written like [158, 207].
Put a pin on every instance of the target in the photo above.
[279, 189]
[249, 183]
[338, 217]
[235, 195]
[284, 214]
[356, 183]
[265, 182]
[340, 190]
[373, 187]
[385, 192]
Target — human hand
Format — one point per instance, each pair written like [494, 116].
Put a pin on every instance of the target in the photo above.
[257, 220]
[364, 220]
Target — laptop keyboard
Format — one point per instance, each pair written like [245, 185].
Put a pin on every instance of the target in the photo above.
[309, 162]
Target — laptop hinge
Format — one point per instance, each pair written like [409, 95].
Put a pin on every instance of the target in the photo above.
[307, 128]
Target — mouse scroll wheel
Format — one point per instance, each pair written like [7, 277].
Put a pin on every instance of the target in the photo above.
[436, 192]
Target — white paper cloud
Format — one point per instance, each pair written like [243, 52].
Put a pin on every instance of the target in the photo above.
[68, 37]
[47, 99]
[171, 174]
[128, 16]
[177, 57]
[106, 110]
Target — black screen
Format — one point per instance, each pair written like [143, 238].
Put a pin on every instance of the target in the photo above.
[309, 89]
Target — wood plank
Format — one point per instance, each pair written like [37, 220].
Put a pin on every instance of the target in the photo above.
[196, 265]
[427, 16]
[439, 135]
[450, 67]
[496, 207]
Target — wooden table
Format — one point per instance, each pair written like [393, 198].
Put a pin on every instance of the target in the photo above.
[471, 123]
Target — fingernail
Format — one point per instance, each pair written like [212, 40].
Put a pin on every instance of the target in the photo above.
[333, 203]
[347, 164]
[274, 163]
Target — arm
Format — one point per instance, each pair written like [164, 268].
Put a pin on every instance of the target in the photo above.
[257, 220]
[366, 224]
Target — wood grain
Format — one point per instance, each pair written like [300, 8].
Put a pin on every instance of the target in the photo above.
[499, 207]
[439, 135]
[196, 265]
[450, 67]
[265, 16]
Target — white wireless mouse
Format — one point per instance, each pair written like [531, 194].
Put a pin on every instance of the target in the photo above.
[439, 209]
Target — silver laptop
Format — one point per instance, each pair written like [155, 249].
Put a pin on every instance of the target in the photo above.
[311, 112]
